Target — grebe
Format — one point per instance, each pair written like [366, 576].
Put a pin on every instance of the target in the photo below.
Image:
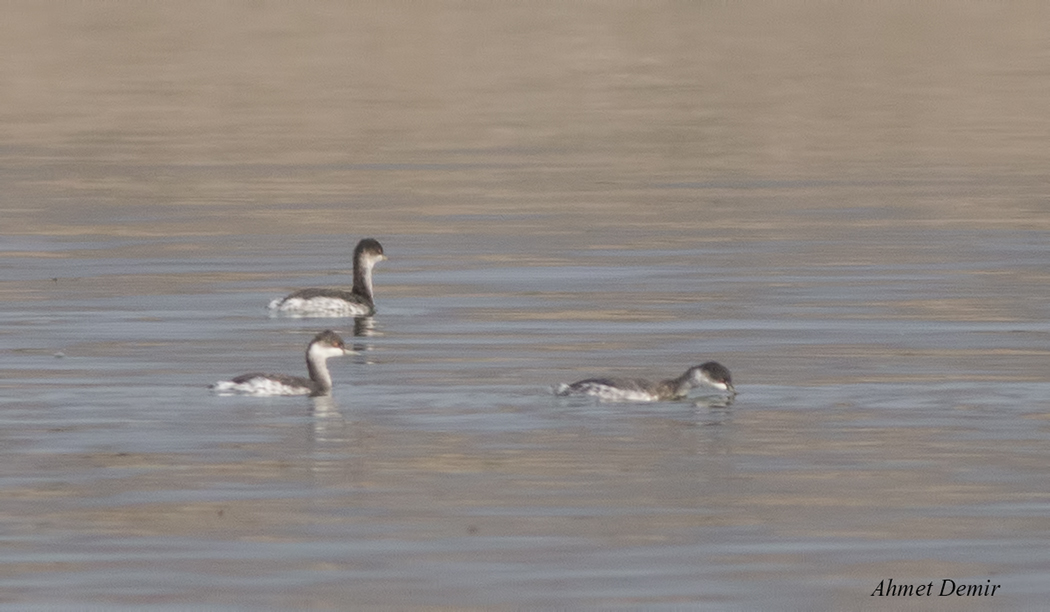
[327, 302]
[710, 374]
[324, 345]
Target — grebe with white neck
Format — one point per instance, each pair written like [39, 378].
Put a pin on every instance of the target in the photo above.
[711, 374]
[331, 302]
[324, 345]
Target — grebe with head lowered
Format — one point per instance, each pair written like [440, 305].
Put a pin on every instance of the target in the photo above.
[328, 302]
[711, 374]
[324, 345]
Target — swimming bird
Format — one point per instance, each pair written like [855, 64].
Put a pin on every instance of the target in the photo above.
[324, 345]
[711, 374]
[332, 302]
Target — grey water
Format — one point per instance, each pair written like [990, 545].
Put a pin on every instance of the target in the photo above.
[847, 206]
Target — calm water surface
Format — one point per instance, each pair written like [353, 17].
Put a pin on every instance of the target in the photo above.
[847, 207]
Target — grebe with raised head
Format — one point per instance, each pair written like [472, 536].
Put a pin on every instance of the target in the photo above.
[711, 374]
[331, 302]
[324, 345]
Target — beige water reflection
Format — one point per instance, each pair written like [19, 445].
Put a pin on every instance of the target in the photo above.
[843, 165]
[583, 107]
